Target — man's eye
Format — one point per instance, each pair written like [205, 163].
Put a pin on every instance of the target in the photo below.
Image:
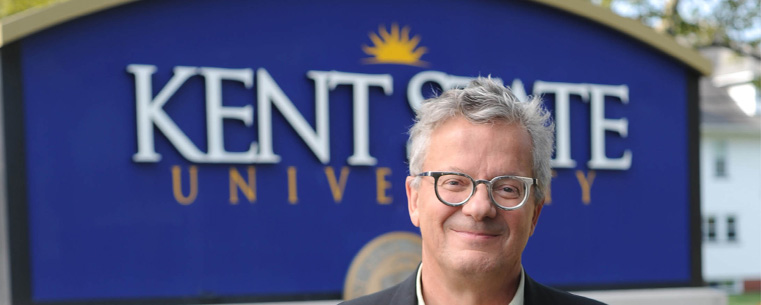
[507, 190]
[456, 183]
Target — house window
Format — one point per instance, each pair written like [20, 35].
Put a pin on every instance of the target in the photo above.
[720, 159]
[757, 84]
[731, 228]
[710, 229]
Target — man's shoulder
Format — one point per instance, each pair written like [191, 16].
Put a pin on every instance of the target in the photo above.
[401, 294]
[537, 293]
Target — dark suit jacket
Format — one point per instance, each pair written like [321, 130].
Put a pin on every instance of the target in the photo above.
[534, 294]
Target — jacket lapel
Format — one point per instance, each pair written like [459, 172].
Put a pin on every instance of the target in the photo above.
[532, 293]
[406, 293]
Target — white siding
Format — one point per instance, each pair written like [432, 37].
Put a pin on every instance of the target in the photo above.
[739, 195]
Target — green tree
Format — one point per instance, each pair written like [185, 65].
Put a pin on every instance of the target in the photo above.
[10, 7]
[735, 24]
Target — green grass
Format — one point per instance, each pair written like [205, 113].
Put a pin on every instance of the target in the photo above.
[745, 299]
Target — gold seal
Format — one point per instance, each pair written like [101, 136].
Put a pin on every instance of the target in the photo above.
[383, 262]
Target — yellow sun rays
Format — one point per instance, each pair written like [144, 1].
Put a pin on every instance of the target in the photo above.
[395, 47]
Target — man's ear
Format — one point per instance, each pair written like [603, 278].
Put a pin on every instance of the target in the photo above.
[535, 218]
[412, 203]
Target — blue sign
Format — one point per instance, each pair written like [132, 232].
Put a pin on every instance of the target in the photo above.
[249, 149]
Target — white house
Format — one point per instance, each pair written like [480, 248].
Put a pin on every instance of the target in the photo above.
[730, 161]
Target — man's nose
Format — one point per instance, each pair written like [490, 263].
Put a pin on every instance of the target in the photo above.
[479, 206]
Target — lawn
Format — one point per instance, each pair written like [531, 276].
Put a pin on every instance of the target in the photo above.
[745, 299]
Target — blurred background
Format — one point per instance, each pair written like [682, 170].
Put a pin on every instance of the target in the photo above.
[728, 33]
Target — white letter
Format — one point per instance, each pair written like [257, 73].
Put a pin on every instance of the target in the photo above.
[321, 103]
[562, 92]
[518, 90]
[150, 112]
[268, 93]
[215, 113]
[414, 94]
[361, 83]
[600, 125]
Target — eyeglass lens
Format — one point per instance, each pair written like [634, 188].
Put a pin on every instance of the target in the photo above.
[456, 189]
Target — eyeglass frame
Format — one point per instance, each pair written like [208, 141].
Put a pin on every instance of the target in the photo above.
[528, 182]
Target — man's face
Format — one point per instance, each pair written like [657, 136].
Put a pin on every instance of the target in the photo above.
[475, 237]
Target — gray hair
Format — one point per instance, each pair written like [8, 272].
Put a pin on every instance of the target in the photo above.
[484, 101]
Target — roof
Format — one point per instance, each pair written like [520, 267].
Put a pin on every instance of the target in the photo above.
[719, 112]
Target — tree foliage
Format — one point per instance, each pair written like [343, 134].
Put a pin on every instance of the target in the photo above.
[10, 7]
[735, 24]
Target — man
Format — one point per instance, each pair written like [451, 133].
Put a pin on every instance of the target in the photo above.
[479, 169]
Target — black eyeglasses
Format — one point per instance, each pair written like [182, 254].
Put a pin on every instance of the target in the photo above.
[506, 192]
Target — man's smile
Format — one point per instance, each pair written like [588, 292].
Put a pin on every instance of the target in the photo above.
[475, 234]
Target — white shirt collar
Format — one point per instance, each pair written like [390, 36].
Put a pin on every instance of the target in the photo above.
[517, 299]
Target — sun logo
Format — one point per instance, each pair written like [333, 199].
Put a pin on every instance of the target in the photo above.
[395, 47]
